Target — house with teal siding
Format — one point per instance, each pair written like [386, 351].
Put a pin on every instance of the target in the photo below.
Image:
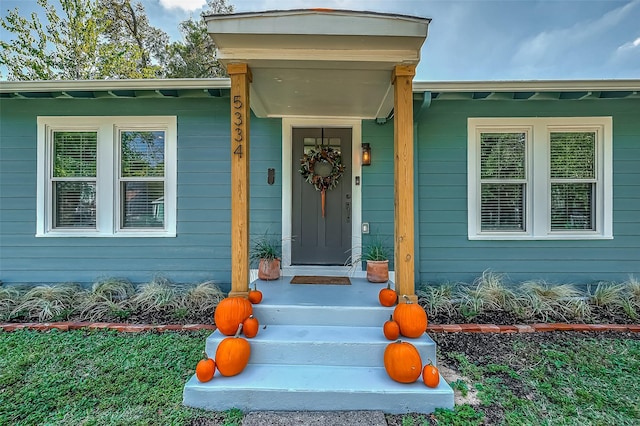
[133, 178]
[320, 139]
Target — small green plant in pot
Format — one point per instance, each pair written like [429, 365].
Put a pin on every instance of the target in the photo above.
[376, 254]
[265, 252]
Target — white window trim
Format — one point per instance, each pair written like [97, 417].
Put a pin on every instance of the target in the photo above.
[538, 224]
[107, 203]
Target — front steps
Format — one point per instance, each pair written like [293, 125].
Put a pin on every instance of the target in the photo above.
[319, 348]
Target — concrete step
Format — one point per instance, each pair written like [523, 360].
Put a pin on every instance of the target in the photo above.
[319, 348]
[315, 388]
[322, 345]
[356, 316]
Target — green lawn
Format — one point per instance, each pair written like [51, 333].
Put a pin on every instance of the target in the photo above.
[96, 378]
[82, 377]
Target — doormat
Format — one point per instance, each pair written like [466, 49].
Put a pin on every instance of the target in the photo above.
[314, 279]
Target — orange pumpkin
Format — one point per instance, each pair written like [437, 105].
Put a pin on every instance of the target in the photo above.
[391, 329]
[430, 375]
[250, 327]
[255, 295]
[230, 312]
[387, 297]
[205, 369]
[232, 354]
[402, 362]
[411, 318]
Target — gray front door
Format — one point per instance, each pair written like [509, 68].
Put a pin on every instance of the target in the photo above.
[321, 240]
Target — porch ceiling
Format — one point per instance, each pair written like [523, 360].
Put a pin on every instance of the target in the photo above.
[319, 62]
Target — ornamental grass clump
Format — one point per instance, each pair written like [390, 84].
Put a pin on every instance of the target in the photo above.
[202, 298]
[632, 286]
[159, 295]
[9, 299]
[580, 309]
[607, 295]
[489, 294]
[612, 299]
[631, 298]
[437, 299]
[540, 299]
[50, 302]
[113, 289]
[491, 288]
[109, 298]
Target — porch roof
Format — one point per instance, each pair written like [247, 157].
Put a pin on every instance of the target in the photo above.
[319, 62]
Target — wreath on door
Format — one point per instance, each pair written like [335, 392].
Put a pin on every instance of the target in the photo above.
[322, 169]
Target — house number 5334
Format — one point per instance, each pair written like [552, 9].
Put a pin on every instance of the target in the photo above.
[238, 121]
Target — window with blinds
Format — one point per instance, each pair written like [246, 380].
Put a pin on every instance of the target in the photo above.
[142, 178]
[540, 178]
[73, 180]
[573, 180]
[107, 176]
[503, 181]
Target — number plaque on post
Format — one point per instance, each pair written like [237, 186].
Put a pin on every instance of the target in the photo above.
[240, 79]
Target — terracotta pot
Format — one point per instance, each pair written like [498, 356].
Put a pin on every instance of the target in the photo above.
[378, 271]
[269, 269]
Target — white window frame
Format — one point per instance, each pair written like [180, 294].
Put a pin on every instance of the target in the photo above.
[108, 167]
[538, 191]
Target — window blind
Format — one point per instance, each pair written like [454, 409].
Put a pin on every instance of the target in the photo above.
[503, 181]
[572, 155]
[142, 178]
[142, 153]
[74, 179]
[75, 204]
[573, 180]
[502, 155]
[142, 204]
[75, 154]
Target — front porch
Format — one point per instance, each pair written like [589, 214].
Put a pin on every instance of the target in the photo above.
[335, 68]
[319, 348]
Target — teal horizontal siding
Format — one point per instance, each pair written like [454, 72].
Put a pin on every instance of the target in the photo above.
[201, 249]
[377, 184]
[446, 253]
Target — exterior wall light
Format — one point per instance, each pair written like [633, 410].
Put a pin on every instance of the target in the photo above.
[366, 154]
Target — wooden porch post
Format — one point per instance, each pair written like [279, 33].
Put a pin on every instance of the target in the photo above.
[240, 79]
[403, 181]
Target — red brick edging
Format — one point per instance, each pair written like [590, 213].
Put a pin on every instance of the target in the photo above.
[435, 328]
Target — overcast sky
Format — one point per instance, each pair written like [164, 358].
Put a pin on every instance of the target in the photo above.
[478, 39]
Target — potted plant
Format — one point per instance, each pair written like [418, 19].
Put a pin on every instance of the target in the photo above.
[265, 252]
[376, 254]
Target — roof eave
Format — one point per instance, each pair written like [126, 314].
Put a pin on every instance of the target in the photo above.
[106, 85]
[528, 85]
[632, 85]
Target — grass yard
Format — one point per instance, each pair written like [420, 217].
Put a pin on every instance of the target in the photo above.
[96, 378]
[99, 378]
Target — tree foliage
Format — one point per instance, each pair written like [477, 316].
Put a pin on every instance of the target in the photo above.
[128, 33]
[65, 47]
[193, 56]
[97, 39]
